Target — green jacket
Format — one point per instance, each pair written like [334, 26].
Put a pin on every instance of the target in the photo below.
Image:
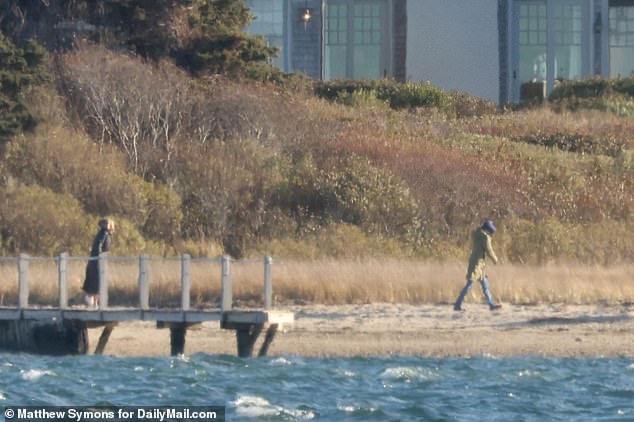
[482, 248]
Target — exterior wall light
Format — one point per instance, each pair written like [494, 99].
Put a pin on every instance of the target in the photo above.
[306, 16]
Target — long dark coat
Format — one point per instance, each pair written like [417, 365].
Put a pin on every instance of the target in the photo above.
[101, 244]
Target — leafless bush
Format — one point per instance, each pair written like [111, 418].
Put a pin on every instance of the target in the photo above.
[120, 100]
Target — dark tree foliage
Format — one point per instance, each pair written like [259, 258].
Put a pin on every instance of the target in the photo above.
[203, 36]
[219, 44]
[20, 69]
[142, 25]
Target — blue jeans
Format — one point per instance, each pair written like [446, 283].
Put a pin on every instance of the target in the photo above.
[485, 289]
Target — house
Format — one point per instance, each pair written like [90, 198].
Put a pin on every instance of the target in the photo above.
[501, 50]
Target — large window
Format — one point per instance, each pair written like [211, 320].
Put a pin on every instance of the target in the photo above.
[356, 41]
[551, 43]
[621, 38]
[269, 23]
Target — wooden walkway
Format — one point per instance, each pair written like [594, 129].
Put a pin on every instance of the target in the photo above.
[17, 324]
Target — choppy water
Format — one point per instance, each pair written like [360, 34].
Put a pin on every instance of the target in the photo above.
[334, 389]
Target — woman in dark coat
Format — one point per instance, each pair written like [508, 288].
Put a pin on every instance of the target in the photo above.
[101, 244]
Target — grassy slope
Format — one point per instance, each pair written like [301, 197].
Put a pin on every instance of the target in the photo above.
[560, 185]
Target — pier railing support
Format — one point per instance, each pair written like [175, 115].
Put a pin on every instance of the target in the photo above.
[144, 285]
[103, 280]
[185, 282]
[62, 276]
[268, 283]
[226, 297]
[23, 281]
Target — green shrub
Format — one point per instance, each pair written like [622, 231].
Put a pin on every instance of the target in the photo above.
[625, 86]
[397, 94]
[37, 221]
[587, 88]
[612, 95]
[356, 193]
[465, 105]
[339, 240]
[361, 98]
[67, 163]
[549, 240]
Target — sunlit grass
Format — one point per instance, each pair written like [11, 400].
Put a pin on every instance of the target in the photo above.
[327, 282]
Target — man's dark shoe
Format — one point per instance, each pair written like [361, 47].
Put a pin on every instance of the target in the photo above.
[458, 309]
[495, 307]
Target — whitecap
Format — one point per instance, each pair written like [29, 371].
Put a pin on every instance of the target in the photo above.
[528, 374]
[257, 407]
[2, 397]
[347, 408]
[281, 361]
[34, 374]
[254, 407]
[179, 358]
[408, 374]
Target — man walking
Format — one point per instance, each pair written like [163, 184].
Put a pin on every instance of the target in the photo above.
[482, 248]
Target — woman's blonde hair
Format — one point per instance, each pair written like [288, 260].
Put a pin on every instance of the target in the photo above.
[107, 223]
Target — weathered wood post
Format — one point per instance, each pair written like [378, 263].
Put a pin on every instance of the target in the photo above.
[268, 299]
[103, 280]
[225, 285]
[268, 283]
[268, 339]
[23, 280]
[247, 335]
[62, 276]
[103, 338]
[177, 339]
[144, 285]
[185, 282]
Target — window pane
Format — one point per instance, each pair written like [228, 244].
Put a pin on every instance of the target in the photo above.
[621, 40]
[360, 50]
[366, 62]
[269, 22]
[336, 62]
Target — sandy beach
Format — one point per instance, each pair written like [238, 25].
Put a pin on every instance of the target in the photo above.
[555, 330]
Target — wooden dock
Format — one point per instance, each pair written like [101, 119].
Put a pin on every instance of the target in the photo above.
[21, 327]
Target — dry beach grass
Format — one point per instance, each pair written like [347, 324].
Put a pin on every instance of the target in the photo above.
[332, 282]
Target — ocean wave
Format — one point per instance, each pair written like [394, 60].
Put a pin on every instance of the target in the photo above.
[408, 374]
[35, 374]
[281, 361]
[258, 407]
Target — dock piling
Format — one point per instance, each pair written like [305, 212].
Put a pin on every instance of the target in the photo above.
[103, 339]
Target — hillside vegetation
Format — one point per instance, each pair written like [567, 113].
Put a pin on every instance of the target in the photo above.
[211, 162]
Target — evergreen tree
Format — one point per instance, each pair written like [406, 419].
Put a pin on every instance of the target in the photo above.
[20, 69]
[220, 45]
